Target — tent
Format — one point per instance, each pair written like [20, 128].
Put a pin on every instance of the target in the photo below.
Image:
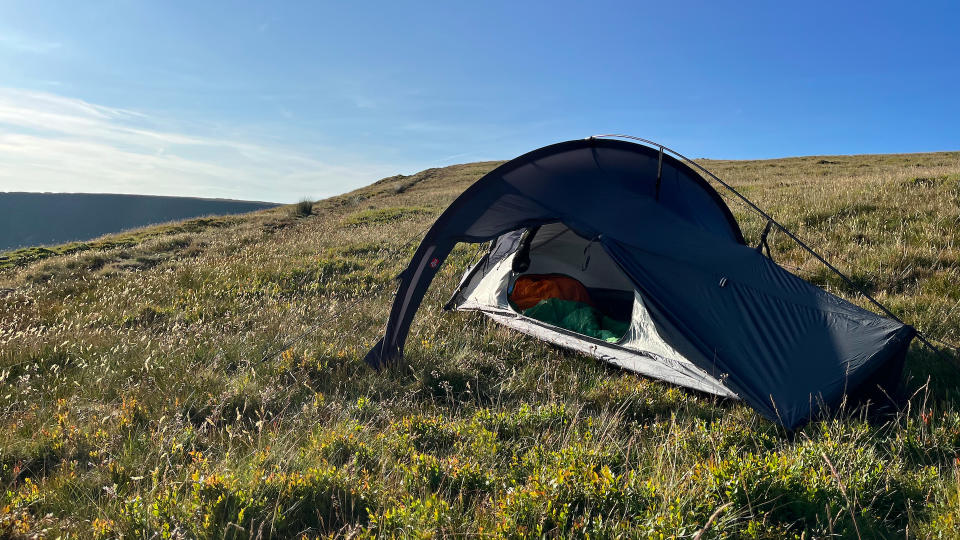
[656, 245]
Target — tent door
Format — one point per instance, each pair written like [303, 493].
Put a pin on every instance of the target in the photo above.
[468, 276]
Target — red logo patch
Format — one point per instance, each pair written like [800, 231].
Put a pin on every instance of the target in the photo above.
[434, 262]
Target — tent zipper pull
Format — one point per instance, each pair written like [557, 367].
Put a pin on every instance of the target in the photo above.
[586, 253]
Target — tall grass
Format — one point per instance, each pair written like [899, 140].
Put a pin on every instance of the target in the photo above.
[303, 208]
[136, 401]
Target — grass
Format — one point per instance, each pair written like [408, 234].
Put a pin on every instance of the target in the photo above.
[137, 402]
[377, 216]
[24, 256]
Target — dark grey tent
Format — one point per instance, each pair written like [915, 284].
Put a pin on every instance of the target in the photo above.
[641, 228]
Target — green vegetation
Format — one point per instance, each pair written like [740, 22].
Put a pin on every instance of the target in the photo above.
[140, 397]
[24, 256]
[385, 215]
[303, 208]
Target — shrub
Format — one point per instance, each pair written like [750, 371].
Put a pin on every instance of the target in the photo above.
[572, 492]
[275, 504]
[303, 208]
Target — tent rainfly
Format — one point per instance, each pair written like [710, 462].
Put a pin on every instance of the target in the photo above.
[655, 246]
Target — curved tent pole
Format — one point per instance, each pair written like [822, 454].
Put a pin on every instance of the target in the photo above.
[780, 227]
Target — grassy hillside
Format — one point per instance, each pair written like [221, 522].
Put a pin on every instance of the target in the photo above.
[31, 219]
[139, 395]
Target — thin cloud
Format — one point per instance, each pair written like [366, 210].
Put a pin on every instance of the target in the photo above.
[55, 143]
[26, 44]
[363, 102]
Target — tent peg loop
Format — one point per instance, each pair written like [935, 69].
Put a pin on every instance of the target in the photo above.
[763, 245]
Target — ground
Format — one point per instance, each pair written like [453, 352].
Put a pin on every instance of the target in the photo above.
[152, 384]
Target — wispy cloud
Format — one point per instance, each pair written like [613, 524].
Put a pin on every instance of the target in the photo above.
[364, 102]
[50, 142]
[23, 43]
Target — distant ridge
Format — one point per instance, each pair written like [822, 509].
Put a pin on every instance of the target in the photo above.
[32, 219]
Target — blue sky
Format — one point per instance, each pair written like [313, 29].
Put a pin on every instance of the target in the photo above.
[282, 100]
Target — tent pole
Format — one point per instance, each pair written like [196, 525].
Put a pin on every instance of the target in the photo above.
[777, 224]
[659, 172]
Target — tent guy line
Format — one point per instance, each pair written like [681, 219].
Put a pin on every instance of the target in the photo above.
[771, 221]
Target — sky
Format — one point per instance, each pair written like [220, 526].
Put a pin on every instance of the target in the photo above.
[280, 101]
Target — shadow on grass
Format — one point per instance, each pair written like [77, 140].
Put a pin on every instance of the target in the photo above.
[938, 371]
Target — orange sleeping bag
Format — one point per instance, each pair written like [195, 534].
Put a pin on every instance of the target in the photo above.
[530, 289]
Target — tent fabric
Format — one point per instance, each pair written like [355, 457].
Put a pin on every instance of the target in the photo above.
[674, 371]
[732, 320]
[561, 250]
[807, 346]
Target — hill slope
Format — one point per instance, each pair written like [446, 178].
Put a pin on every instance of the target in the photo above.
[32, 219]
[141, 392]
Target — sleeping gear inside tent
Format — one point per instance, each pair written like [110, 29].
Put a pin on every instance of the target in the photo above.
[530, 289]
[560, 300]
[579, 317]
[655, 248]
